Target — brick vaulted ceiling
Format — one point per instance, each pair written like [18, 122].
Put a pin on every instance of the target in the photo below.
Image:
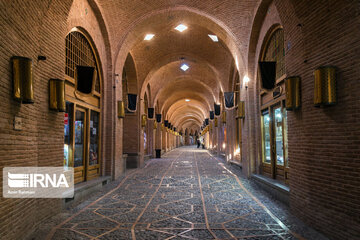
[158, 61]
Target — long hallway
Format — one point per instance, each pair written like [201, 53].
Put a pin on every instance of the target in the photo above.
[102, 102]
[188, 194]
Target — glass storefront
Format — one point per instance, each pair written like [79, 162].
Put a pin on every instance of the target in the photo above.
[79, 139]
[278, 118]
[266, 137]
[68, 118]
[274, 142]
[83, 111]
[94, 138]
[286, 156]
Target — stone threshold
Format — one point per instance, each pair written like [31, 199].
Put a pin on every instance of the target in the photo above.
[84, 189]
[277, 189]
[236, 163]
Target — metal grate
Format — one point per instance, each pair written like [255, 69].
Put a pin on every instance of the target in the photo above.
[275, 52]
[79, 52]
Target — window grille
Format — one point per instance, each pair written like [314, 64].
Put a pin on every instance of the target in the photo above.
[79, 52]
[275, 52]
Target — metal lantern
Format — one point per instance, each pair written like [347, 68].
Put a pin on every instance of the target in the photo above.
[217, 109]
[241, 110]
[57, 95]
[223, 117]
[292, 89]
[143, 120]
[212, 115]
[325, 86]
[121, 109]
[158, 118]
[151, 113]
[22, 79]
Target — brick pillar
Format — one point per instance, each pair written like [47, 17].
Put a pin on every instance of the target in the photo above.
[218, 137]
[158, 137]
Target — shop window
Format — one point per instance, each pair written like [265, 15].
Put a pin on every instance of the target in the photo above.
[286, 156]
[273, 114]
[279, 144]
[68, 129]
[265, 119]
[94, 138]
[79, 138]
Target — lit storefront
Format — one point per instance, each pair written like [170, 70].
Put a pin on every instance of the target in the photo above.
[83, 110]
[274, 152]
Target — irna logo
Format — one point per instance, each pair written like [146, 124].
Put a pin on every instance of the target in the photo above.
[38, 182]
[34, 180]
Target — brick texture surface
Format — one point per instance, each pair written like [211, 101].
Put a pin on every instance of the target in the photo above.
[324, 143]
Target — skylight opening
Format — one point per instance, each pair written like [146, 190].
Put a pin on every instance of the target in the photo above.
[246, 79]
[181, 27]
[149, 36]
[213, 37]
[187, 100]
[184, 67]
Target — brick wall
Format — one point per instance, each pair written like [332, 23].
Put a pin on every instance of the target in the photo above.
[39, 28]
[30, 29]
[323, 143]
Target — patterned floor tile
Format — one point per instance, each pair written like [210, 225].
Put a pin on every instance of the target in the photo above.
[187, 194]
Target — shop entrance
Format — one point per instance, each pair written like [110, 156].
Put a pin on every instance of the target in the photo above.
[83, 109]
[82, 135]
[274, 142]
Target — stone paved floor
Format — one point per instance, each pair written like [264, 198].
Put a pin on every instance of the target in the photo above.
[187, 194]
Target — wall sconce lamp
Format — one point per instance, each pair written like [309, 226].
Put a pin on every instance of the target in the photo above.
[241, 110]
[325, 86]
[121, 109]
[246, 81]
[292, 89]
[143, 120]
[57, 95]
[216, 122]
[22, 79]
[223, 117]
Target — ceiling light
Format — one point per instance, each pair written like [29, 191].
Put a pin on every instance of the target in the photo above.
[149, 36]
[181, 27]
[213, 37]
[246, 79]
[184, 67]
[187, 100]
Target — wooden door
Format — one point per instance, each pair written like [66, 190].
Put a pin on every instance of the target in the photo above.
[274, 142]
[93, 131]
[80, 144]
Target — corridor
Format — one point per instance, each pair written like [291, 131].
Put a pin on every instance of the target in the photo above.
[103, 103]
[187, 194]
